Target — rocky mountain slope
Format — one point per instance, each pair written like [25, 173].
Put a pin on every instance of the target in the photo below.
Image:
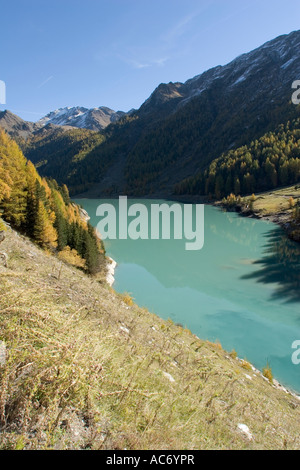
[268, 71]
[16, 126]
[95, 119]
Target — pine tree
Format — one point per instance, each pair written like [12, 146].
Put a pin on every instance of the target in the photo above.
[44, 233]
[91, 254]
[65, 194]
[61, 227]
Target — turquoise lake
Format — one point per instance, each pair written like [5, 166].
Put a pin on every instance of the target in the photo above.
[242, 288]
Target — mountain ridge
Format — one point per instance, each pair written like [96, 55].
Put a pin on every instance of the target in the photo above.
[95, 119]
[278, 47]
[182, 127]
[16, 126]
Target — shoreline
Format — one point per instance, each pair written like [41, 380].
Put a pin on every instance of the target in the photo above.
[111, 264]
[281, 219]
[275, 206]
[275, 383]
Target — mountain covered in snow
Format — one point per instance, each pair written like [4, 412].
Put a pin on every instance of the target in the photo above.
[95, 119]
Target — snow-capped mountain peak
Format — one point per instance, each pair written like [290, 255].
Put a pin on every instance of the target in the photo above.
[95, 119]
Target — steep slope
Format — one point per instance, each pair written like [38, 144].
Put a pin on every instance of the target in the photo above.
[223, 108]
[277, 59]
[94, 119]
[60, 153]
[266, 163]
[42, 210]
[84, 369]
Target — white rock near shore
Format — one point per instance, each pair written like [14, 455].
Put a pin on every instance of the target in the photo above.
[111, 266]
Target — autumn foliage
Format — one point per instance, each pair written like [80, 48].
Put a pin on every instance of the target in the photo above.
[42, 210]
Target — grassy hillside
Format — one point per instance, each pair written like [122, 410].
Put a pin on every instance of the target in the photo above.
[86, 368]
[281, 206]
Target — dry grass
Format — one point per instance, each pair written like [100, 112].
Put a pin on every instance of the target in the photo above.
[274, 202]
[86, 370]
[246, 365]
[267, 372]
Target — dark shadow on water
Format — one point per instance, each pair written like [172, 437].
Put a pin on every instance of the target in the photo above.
[280, 264]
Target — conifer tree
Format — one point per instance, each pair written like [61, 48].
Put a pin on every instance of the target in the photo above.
[44, 232]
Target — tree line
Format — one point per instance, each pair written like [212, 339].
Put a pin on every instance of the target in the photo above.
[264, 164]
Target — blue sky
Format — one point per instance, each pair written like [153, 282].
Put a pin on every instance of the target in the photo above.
[57, 53]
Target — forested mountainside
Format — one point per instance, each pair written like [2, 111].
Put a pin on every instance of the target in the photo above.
[60, 153]
[266, 163]
[41, 209]
[182, 128]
